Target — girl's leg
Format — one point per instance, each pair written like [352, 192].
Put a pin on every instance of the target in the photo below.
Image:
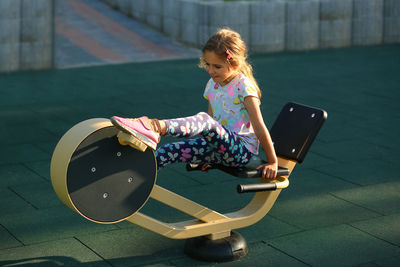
[228, 148]
[194, 151]
[223, 146]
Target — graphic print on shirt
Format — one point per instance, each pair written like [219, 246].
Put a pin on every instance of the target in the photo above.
[227, 104]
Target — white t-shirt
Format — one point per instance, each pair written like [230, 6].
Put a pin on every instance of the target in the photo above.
[227, 103]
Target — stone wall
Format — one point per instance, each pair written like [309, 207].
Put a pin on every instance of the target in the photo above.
[273, 25]
[26, 34]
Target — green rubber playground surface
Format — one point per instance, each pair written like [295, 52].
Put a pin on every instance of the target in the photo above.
[343, 204]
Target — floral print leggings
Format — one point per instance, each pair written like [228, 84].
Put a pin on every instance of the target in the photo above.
[215, 143]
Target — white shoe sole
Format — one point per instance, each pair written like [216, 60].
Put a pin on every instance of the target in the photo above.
[140, 137]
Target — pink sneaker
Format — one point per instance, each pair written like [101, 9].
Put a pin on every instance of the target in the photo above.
[139, 128]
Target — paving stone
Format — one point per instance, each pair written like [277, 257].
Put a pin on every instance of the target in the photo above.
[335, 23]
[391, 21]
[87, 31]
[367, 22]
[385, 197]
[340, 245]
[302, 25]
[267, 26]
[68, 252]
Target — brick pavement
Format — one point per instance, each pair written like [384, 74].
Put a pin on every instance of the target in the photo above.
[92, 33]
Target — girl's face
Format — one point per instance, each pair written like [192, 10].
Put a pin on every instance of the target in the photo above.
[218, 68]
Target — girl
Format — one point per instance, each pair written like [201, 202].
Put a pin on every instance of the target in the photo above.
[232, 130]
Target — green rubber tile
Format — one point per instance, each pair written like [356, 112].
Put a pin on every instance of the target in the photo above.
[221, 197]
[211, 177]
[66, 252]
[360, 173]
[56, 126]
[163, 212]
[388, 262]
[16, 174]
[160, 264]
[267, 228]
[47, 146]
[382, 198]
[42, 168]
[352, 151]
[340, 245]
[393, 147]
[59, 119]
[11, 203]
[23, 134]
[40, 195]
[7, 240]
[99, 108]
[52, 114]
[22, 153]
[314, 160]
[175, 182]
[49, 224]
[133, 246]
[385, 228]
[319, 211]
[261, 254]
[305, 182]
[206, 195]
[337, 129]
[170, 178]
[14, 116]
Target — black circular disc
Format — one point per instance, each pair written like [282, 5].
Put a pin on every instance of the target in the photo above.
[108, 182]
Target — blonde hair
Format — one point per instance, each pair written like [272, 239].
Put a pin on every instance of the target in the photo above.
[229, 45]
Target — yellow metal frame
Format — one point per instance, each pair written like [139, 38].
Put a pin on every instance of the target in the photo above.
[207, 222]
[210, 222]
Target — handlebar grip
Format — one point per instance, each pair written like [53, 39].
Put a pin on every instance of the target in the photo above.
[258, 173]
[249, 188]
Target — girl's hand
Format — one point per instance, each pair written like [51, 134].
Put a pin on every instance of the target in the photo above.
[269, 170]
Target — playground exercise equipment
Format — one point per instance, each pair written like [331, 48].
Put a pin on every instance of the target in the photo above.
[95, 172]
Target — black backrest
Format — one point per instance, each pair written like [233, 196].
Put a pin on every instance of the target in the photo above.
[295, 129]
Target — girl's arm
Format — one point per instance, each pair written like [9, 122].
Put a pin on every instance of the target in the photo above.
[253, 108]
[210, 110]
